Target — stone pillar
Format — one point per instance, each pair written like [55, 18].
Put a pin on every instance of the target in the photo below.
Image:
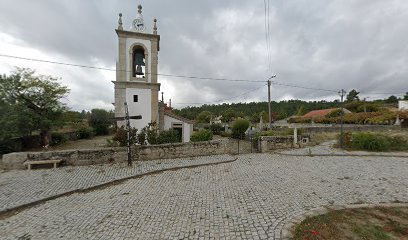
[295, 136]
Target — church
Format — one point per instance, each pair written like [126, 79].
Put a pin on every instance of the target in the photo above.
[137, 83]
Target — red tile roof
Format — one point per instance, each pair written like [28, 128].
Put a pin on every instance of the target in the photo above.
[319, 113]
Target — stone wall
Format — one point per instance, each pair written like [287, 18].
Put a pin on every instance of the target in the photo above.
[271, 143]
[351, 127]
[109, 155]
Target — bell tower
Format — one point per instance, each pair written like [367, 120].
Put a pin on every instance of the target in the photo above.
[136, 72]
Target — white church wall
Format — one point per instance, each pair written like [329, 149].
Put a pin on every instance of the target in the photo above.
[142, 107]
[147, 44]
[403, 105]
[187, 128]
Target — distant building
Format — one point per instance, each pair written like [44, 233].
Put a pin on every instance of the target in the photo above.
[323, 112]
[403, 105]
[136, 80]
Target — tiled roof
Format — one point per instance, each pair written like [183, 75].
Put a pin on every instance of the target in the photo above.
[319, 113]
[173, 115]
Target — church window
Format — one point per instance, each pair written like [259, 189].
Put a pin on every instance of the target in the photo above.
[135, 98]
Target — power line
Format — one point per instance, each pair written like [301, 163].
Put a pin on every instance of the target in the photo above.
[115, 70]
[165, 75]
[226, 99]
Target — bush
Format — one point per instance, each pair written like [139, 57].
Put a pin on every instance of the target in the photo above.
[168, 136]
[85, 132]
[101, 120]
[202, 135]
[239, 127]
[370, 142]
[216, 128]
[121, 136]
[57, 138]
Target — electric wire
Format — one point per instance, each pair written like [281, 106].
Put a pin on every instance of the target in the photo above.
[167, 75]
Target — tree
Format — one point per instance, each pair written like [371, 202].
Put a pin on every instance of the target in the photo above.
[392, 99]
[100, 120]
[352, 96]
[239, 126]
[204, 117]
[301, 111]
[34, 101]
[405, 96]
[228, 115]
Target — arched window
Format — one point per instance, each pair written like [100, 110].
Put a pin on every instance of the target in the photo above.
[138, 57]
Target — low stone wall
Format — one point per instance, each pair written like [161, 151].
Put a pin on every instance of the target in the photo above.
[351, 127]
[109, 155]
[271, 143]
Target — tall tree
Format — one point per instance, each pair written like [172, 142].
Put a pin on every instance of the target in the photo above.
[101, 120]
[204, 117]
[405, 96]
[34, 101]
[352, 96]
[391, 99]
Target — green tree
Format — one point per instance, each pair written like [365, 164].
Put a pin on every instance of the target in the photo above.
[101, 120]
[392, 99]
[239, 126]
[405, 96]
[352, 96]
[204, 117]
[33, 101]
[301, 111]
[228, 115]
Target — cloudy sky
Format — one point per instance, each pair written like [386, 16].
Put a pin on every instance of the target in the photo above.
[361, 44]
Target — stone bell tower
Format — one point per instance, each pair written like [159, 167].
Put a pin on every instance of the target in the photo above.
[136, 72]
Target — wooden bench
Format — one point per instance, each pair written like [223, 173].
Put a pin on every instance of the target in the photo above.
[54, 161]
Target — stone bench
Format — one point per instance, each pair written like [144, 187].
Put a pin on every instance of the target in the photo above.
[54, 161]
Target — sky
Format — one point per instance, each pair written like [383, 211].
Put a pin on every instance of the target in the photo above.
[330, 45]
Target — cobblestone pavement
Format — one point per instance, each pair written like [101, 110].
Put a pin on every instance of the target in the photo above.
[327, 149]
[20, 187]
[251, 198]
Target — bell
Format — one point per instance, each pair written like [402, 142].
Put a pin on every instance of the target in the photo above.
[139, 70]
[139, 59]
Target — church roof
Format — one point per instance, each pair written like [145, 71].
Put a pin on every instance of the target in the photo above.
[173, 115]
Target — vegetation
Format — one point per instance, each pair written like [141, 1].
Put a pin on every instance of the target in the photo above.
[363, 223]
[101, 120]
[239, 127]
[375, 142]
[29, 103]
[216, 128]
[121, 136]
[202, 135]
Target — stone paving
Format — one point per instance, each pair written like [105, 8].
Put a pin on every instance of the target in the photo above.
[251, 198]
[20, 187]
[327, 149]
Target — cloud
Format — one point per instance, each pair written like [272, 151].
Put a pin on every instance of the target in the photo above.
[358, 44]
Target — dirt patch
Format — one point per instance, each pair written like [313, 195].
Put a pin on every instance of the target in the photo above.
[359, 223]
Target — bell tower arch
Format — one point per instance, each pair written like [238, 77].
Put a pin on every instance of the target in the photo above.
[136, 71]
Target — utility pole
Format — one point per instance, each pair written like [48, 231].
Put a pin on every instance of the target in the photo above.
[269, 100]
[342, 92]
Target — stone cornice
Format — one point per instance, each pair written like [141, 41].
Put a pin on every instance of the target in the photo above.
[134, 84]
[139, 35]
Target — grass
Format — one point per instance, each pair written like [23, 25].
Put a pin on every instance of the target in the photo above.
[378, 223]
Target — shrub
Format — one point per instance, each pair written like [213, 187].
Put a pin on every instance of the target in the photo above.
[57, 138]
[370, 142]
[216, 128]
[85, 132]
[202, 135]
[121, 136]
[239, 127]
[168, 136]
[101, 120]
[225, 134]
